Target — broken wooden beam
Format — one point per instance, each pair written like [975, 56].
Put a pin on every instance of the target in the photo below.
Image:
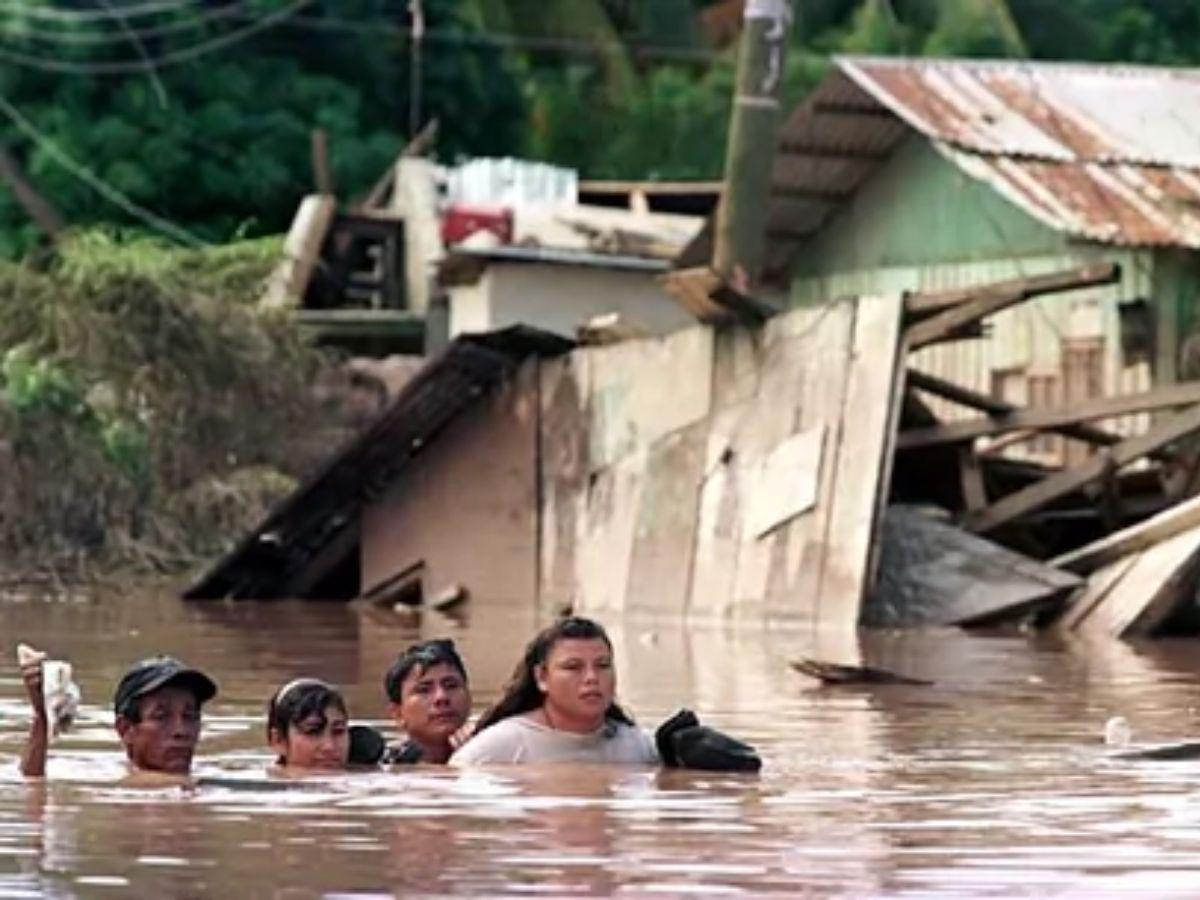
[987, 302]
[708, 297]
[1137, 594]
[1047, 418]
[929, 303]
[947, 390]
[1097, 554]
[1050, 489]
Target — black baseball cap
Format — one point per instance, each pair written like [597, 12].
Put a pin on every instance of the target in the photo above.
[156, 672]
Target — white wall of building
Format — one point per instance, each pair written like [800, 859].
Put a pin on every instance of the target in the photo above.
[559, 298]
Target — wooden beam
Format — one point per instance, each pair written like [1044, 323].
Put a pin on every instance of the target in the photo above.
[35, 204]
[924, 304]
[1098, 554]
[1034, 419]
[987, 302]
[970, 477]
[1050, 489]
[948, 390]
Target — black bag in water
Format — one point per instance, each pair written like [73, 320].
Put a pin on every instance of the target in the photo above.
[686, 744]
[366, 746]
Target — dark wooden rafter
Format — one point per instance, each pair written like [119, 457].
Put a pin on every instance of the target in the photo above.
[1044, 419]
[989, 300]
[947, 390]
[928, 303]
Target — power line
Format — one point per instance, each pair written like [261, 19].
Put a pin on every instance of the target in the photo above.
[85, 38]
[443, 36]
[187, 54]
[94, 181]
[159, 90]
[76, 16]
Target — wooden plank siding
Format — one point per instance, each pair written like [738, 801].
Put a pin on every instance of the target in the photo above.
[921, 225]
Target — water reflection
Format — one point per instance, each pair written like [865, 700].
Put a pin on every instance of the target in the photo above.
[992, 781]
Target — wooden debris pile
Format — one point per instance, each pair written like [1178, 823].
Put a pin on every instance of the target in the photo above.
[1108, 541]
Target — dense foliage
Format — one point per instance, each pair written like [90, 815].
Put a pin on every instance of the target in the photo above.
[148, 407]
[201, 110]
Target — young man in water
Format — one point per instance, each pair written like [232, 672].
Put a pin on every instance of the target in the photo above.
[157, 705]
[430, 700]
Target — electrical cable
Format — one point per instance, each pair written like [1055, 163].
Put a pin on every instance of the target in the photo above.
[187, 54]
[75, 16]
[98, 38]
[94, 181]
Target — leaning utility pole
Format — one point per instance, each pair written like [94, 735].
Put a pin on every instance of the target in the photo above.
[741, 218]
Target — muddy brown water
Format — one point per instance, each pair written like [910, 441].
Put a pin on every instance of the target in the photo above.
[992, 782]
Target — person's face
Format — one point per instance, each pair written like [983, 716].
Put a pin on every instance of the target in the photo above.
[321, 740]
[434, 703]
[165, 739]
[578, 681]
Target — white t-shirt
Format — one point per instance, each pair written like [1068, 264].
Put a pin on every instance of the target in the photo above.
[519, 739]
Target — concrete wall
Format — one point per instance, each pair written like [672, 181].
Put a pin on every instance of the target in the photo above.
[559, 298]
[467, 507]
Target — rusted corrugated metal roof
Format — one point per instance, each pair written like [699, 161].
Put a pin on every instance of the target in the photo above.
[1109, 153]
[315, 529]
[1106, 153]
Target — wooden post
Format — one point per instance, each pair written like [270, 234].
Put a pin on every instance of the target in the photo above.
[750, 152]
[38, 208]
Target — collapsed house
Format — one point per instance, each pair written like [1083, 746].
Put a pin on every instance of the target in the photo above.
[994, 267]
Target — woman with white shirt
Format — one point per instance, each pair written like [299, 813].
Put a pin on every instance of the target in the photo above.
[560, 706]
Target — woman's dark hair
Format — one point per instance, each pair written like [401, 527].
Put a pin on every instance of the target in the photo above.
[299, 699]
[522, 694]
[422, 657]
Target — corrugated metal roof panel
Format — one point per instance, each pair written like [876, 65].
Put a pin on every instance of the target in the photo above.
[1069, 112]
[1106, 153]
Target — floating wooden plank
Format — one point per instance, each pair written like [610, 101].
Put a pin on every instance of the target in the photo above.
[1140, 595]
[1097, 587]
[1034, 419]
[947, 390]
[839, 674]
[1166, 524]
[1050, 489]
[932, 573]
[928, 303]
[987, 302]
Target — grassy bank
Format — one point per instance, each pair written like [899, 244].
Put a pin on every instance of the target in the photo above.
[149, 410]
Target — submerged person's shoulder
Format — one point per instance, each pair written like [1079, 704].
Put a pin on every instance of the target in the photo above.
[523, 740]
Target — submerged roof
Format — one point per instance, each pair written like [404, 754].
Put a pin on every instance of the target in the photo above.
[315, 529]
[1104, 153]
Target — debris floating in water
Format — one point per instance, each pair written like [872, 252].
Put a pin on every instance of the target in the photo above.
[60, 694]
[835, 673]
[1117, 732]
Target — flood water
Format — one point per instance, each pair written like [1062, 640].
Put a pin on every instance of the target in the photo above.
[992, 782]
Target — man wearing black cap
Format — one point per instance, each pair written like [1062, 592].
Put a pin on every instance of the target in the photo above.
[157, 705]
